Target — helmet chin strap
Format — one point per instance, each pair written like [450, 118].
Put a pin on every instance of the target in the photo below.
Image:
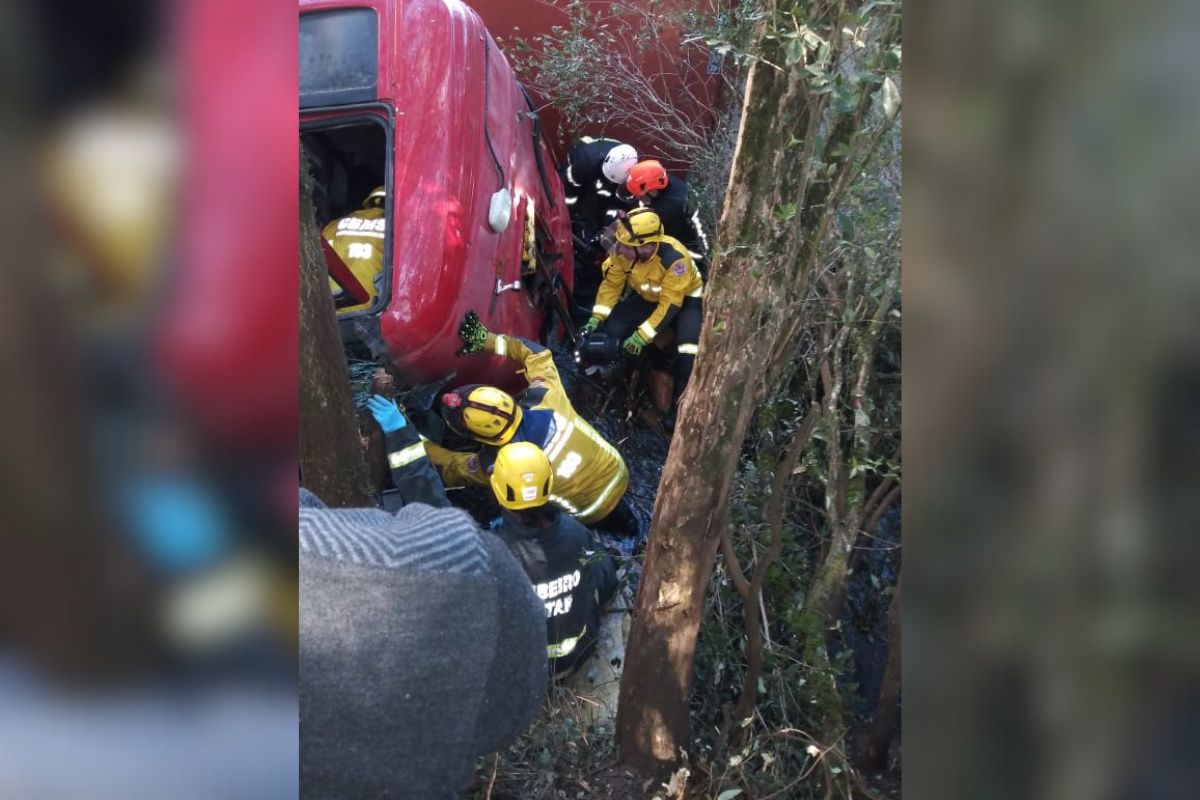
[512, 420]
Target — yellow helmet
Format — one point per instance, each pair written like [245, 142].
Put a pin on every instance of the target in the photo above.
[483, 412]
[376, 198]
[521, 476]
[640, 226]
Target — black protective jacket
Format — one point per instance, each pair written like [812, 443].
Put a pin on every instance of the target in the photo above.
[412, 472]
[571, 576]
[679, 216]
[591, 197]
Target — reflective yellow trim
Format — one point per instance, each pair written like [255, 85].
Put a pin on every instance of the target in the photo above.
[501, 346]
[560, 442]
[358, 234]
[601, 311]
[698, 293]
[689, 349]
[566, 646]
[402, 458]
[597, 439]
[647, 331]
[608, 490]
[564, 503]
[560, 425]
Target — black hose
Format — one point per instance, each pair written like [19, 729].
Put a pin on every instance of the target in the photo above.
[537, 150]
[486, 93]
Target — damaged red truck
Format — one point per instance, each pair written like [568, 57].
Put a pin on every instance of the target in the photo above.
[415, 96]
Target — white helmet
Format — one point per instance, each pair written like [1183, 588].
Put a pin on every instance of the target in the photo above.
[618, 163]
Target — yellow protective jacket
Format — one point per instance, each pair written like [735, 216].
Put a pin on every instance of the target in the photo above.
[589, 474]
[359, 239]
[666, 278]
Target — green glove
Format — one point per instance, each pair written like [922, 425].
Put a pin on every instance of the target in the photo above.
[635, 343]
[473, 333]
[589, 326]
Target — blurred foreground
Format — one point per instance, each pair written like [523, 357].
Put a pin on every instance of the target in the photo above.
[148, 342]
[1052, 423]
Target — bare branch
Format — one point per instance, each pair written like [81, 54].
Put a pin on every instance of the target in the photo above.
[736, 573]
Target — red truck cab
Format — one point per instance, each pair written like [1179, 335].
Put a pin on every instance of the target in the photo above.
[414, 95]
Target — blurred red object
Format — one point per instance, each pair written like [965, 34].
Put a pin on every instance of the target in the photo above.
[227, 335]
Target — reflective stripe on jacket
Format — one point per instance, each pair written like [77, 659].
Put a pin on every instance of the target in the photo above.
[589, 474]
[665, 279]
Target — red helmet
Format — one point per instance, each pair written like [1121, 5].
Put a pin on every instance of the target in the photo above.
[646, 176]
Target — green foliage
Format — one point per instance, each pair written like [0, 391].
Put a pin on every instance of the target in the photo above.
[608, 67]
[857, 273]
[555, 752]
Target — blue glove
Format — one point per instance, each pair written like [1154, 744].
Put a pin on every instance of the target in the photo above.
[386, 413]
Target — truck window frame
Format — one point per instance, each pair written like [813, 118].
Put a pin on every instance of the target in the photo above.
[334, 117]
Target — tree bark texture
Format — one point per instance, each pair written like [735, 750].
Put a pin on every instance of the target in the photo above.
[751, 285]
[785, 184]
[331, 458]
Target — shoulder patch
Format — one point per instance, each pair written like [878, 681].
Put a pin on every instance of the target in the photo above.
[668, 255]
[473, 464]
[680, 268]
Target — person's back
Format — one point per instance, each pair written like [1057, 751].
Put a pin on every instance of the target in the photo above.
[422, 647]
[593, 172]
[358, 239]
[679, 217]
[570, 575]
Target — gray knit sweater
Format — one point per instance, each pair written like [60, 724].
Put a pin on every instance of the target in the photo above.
[422, 647]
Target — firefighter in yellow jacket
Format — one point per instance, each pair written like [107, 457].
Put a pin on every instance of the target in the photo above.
[589, 474]
[358, 239]
[666, 291]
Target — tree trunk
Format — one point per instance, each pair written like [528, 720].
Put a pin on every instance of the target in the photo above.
[746, 300]
[887, 709]
[689, 514]
[331, 459]
[778, 207]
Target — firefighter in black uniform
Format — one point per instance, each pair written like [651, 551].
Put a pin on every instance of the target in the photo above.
[571, 576]
[412, 473]
[593, 177]
[593, 172]
[670, 198]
